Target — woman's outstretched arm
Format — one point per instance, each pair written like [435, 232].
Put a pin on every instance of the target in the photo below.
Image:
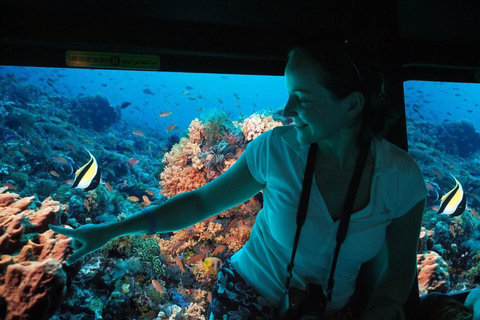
[232, 188]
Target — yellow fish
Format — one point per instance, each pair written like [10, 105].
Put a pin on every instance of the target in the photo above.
[212, 264]
[88, 176]
[454, 202]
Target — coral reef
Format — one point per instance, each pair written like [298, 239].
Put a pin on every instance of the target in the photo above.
[95, 112]
[432, 273]
[33, 276]
[256, 124]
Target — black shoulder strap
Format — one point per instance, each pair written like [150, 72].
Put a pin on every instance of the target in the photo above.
[345, 220]
[303, 206]
[347, 212]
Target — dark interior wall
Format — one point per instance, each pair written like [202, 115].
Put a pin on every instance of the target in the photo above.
[419, 39]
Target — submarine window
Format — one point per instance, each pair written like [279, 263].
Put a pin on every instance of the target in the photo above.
[149, 135]
[443, 120]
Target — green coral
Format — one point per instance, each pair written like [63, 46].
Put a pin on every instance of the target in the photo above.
[148, 250]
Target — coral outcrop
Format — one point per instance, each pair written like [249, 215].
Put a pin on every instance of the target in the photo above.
[33, 276]
[432, 273]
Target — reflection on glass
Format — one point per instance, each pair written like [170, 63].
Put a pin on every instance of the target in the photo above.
[144, 136]
[442, 123]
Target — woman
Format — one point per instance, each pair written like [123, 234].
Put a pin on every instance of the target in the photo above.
[330, 102]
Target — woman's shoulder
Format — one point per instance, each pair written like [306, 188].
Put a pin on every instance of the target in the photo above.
[389, 153]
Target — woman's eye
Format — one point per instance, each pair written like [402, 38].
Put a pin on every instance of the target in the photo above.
[302, 101]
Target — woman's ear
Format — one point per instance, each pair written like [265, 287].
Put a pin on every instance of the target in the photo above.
[355, 102]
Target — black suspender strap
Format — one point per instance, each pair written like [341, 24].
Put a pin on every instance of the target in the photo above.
[303, 206]
[347, 212]
[345, 219]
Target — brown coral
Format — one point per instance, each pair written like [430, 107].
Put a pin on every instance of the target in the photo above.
[432, 273]
[32, 276]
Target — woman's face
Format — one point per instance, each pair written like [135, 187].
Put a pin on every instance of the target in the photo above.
[317, 114]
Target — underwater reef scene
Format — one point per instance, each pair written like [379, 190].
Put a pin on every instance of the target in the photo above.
[442, 124]
[168, 139]
[53, 141]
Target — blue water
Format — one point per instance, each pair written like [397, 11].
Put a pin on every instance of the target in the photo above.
[443, 101]
[186, 95]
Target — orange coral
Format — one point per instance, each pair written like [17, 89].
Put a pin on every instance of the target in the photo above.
[432, 273]
[32, 276]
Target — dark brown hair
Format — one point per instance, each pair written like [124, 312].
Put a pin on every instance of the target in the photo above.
[345, 67]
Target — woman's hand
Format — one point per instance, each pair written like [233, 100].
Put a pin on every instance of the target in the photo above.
[86, 239]
[473, 302]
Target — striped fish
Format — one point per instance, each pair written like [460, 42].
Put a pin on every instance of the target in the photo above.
[87, 177]
[454, 202]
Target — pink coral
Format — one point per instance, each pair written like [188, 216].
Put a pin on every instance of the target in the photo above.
[257, 124]
[32, 275]
[432, 273]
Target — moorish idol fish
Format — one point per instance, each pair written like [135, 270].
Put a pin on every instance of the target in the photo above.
[88, 176]
[454, 202]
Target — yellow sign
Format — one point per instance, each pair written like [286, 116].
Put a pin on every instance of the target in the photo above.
[84, 59]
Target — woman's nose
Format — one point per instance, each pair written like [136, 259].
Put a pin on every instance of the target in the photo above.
[289, 111]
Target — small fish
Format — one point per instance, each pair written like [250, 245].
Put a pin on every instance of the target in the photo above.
[150, 192]
[148, 91]
[189, 88]
[219, 249]
[177, 245]
[199, 96]
[54, 173]
[9, 186]
[88, 177]
[146, 201]
[157, 285]
[109, 187]
[199, 109]
[452, 230]
[171, 127]
[165, 114]
[131, 162]
[220, 100]
[231, 239]
[192, 98]
[236, 96]
[186, 93]
[138, 133]
[196, 258]
[125, 104]
[86, 203]
[133, 198]
[231, 224]
[61, 160]
[474, 213]
[211, 264]
[454, 202]
[71, 146]
[180, 264]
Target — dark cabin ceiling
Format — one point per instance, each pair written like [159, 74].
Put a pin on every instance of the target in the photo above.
[416, 31]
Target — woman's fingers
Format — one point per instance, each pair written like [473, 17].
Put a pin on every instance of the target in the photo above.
[77, 255]
[65, 231]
